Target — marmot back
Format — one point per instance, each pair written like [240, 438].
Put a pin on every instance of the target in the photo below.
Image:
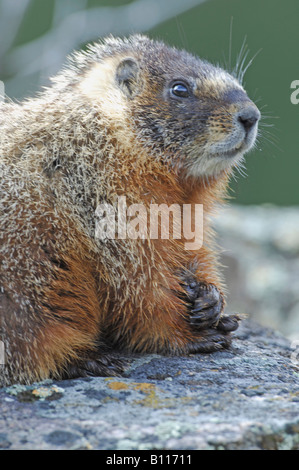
[129, 121]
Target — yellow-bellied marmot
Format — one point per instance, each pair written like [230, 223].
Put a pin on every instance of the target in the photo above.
[131, 118]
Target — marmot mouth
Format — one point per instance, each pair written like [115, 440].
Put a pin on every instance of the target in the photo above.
[234, 152]
[231, 149]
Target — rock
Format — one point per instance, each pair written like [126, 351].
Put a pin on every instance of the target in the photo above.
[246, 397]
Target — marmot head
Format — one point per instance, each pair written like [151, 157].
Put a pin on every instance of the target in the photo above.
[183, 110]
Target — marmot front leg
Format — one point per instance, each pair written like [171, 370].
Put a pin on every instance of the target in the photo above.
[205, 304]
[168, 320]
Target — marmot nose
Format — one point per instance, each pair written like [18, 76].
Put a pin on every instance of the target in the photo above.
[248, 117]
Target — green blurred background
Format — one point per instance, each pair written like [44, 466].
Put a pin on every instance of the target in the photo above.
[37, 34]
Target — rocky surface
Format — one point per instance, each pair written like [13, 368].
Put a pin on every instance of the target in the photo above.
[243, 398]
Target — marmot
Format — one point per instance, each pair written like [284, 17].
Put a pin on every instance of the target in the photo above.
[127, 117]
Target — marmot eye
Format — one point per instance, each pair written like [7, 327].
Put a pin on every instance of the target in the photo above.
[180, 90]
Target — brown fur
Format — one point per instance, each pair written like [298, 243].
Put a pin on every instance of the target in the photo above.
[66, 299]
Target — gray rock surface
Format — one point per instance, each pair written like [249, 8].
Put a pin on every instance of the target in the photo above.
[243, 398]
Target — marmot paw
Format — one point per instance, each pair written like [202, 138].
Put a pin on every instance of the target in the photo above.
[205, 304]
[215, 338]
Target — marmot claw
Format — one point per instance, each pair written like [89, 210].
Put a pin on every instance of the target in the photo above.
[205, 304]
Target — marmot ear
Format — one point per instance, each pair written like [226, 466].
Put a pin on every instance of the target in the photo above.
[128, 76]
